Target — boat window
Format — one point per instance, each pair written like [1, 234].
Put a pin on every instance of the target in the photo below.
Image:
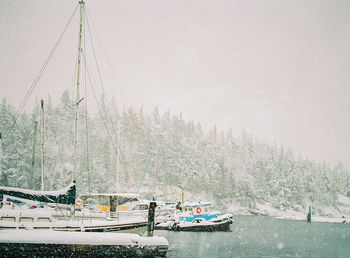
[123, 200]
[43, 219]
[12, 219]
[103, 200]
[141, 207]
[90, 202]
[22, 219]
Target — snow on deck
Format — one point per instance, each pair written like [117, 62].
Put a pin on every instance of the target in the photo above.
[35, 192]
[126, 195]
[196, 204]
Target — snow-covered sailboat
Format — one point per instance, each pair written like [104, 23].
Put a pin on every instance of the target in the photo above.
[13, 217]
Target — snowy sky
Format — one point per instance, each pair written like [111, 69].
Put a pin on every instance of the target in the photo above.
[276, 69]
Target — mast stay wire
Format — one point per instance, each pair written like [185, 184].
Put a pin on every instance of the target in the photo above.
[41, 71]
[86, 113]
[108, 60]
[99, 75]
[119, 152]
[101, 114]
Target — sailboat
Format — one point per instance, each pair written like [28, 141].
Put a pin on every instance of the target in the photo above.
[58, 218]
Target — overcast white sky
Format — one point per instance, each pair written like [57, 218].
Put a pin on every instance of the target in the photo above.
[276, 69]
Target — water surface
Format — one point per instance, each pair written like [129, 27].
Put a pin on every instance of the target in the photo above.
[261, 236]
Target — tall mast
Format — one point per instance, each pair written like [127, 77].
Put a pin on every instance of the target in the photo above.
[77, 100]
[42, 144]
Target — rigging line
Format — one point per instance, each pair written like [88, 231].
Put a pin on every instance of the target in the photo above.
[108, 60]
[37, 78]
[105, 125]
[99, 75]
[99, 109]
[86, 115]
[144, 173]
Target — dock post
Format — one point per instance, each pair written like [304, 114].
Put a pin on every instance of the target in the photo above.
[308, 218]
[150, 224]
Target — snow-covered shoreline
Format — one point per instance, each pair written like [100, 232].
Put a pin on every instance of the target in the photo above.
[339, 215]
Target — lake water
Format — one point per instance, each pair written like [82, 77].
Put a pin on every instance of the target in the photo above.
[261, 236]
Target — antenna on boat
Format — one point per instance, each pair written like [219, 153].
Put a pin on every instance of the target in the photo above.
[182, 197]
[78, 100]
[42, 144]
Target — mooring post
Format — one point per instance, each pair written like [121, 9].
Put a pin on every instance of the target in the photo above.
[308, 218]
[150, 224]
[182, 198]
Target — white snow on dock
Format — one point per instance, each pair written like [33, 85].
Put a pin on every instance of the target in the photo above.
[78, 238]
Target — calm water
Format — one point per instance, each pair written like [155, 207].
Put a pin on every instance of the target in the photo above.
[260, 236]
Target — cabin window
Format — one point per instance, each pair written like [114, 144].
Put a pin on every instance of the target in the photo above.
[44, 219]
[141, 207]
[103, 200]
[12, 219]
[123, 200]
[26, 219]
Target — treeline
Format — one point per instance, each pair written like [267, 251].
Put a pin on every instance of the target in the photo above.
[120, 150]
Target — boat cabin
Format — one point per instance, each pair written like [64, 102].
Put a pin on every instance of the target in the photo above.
[193, 211]
[109, 202]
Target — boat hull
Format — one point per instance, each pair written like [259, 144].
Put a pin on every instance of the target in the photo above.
[43, 220]
[222, 226]
[137, 228]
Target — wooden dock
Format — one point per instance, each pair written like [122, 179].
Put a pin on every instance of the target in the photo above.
[43, 243]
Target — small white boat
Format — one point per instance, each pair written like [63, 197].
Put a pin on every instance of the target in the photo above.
[197, 217]
[221, 223]
[192, 211]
